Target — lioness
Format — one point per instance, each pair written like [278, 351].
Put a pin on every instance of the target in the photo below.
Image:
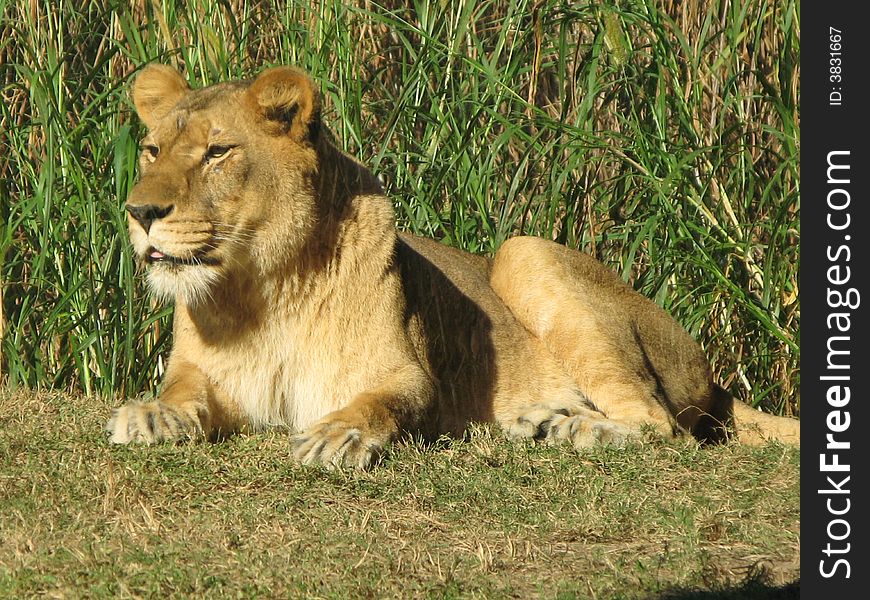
[297, 303]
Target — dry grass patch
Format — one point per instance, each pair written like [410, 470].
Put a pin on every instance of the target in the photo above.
[480, 517]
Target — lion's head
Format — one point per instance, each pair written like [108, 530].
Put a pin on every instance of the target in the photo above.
[226, 177]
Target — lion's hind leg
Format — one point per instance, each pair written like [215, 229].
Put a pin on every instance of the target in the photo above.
[634, 364]
[560, 422]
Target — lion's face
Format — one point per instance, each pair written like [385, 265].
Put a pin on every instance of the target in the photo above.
[225, 178]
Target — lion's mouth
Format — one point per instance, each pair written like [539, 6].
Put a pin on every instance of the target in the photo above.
[155, 256]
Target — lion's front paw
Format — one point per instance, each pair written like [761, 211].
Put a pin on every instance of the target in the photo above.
[337, 444]
[148, 422]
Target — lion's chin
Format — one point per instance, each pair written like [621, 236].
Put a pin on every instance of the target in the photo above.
[190, 284]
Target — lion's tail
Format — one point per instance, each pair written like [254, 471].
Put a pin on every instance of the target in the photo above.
[755, 427]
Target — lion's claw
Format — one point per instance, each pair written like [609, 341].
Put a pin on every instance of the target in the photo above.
[337, 444]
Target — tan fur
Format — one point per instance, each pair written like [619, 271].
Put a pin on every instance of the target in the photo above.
[298, 304]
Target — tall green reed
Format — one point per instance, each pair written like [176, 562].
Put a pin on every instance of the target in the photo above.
[660, 136]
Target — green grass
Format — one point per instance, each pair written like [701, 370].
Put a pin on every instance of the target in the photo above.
[475, 518]
[660, 137]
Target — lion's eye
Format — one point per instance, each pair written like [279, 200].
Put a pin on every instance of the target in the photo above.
[216, 152]
[151, 152]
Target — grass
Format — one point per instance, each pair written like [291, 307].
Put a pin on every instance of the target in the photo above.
[475, 518]
[662, 137]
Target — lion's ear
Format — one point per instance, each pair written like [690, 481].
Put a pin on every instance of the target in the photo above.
[287, 97]
[156, 90]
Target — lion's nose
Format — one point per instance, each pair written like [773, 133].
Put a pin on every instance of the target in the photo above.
[146, 214]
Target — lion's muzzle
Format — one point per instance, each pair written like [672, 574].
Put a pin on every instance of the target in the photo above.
[146, 214]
